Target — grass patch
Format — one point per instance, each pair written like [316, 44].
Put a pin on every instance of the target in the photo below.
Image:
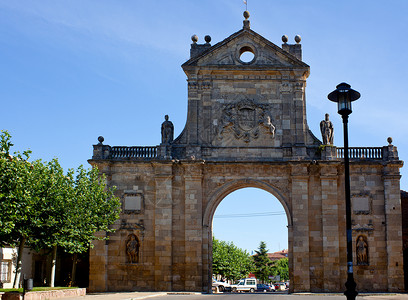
[39, 289]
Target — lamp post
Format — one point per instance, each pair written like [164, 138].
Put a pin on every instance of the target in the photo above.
[344, 95]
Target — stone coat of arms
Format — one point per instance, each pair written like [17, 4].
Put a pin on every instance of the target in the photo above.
[244, 119]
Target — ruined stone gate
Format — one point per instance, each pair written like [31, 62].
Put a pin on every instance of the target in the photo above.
[246, 127]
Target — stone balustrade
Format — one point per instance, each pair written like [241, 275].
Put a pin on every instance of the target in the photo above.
[362, 152]
[163, 152]
[389, 152]
[133, 152]
[124, 152]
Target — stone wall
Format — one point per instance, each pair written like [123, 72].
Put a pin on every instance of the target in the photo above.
[174, 224]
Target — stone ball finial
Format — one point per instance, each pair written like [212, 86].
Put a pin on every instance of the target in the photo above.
[194, 38]
[207, 39]
[246, 15]
[298, 39]
[100, 139]
[389, 140]
[284, 38]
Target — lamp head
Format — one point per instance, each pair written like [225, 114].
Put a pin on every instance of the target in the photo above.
[344, 95]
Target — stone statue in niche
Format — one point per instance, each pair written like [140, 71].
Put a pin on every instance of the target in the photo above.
[362, 250]
[326, 128]
[132, 248]
[167, 131]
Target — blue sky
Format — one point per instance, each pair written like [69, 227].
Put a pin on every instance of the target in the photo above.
[73, 70]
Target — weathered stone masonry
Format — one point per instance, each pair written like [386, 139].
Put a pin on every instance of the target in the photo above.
[246, 127]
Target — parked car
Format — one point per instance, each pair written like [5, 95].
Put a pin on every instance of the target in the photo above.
[221, 286]
[260, 287]
[280, 286]
[245, 285]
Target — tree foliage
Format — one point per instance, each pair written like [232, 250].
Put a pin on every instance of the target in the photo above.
[229, 261]
[77, 207]
[262, 264]
[17, 194]
[93, 209]
[281, 268]
[42, 207]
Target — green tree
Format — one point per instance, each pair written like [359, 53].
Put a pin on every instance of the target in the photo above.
[19, 194]
[42, 208]
[229, 261]
[56, 192]
[281, 268]
[73, 211]
[93, 209]
[262, 263]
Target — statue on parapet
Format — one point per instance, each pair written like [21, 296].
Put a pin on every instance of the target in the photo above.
[326, 128]
[167, 131]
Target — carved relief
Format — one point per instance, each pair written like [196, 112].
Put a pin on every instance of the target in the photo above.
[368, 228]
[199, 85]
[362, 250]
[286, 87]
[244, 120]
[132, 226]
[299, 86]
[132, 248]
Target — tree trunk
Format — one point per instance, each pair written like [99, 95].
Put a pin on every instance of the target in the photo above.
[53, 265]
[19, 258]
[74, 265]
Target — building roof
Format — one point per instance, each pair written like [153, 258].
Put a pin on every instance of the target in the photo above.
[278, 255]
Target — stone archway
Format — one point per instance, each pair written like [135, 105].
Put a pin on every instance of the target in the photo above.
[217, 196]
[246, 126]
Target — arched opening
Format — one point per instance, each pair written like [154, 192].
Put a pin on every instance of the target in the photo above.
[247, 216]
[244, 210]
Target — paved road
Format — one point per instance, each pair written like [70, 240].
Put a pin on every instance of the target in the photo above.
[254, 296]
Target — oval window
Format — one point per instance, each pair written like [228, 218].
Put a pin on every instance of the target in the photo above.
[246, 54]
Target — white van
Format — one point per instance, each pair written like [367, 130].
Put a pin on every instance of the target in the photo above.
[245, 285]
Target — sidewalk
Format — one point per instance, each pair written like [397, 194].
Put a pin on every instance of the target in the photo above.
[297, 296]
[118, 296]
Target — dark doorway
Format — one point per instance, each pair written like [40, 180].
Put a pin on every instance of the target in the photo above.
[64, 273]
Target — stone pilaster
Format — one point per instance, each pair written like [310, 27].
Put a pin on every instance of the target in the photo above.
[98, 258]
[290, 257]
[300, 211]
[193, 107]
[300, 115]
[163, 227]
[330, 228]
[393, 222]
[193, 226]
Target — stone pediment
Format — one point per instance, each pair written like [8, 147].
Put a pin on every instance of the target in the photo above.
[227, 54]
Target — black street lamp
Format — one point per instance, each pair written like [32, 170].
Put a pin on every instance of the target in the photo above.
[344, 95]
